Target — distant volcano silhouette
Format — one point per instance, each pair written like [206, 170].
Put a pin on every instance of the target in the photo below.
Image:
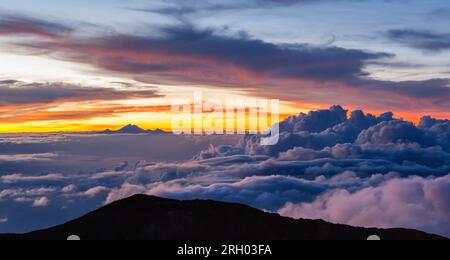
[133, 129]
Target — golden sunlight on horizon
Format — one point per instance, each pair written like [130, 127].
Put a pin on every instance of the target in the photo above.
[146, 120]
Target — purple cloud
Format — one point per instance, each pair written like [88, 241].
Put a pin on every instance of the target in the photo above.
[21, 93]
[41, 202]
[428, 41]
[413, 202]
[185, 54]
[21, 25]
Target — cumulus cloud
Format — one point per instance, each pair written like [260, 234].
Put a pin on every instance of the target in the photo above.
[324, 142]
[92, 192]
[317, 130]
[41, 202]
[69, 188]
[438, 130]
[320, 155]
[393, 132]
[413, 202]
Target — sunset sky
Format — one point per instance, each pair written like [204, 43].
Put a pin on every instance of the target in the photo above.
[91, 65]
[359, 72]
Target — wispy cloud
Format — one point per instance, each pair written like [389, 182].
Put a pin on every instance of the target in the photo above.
[14, 178]
[32, 102]
[179, 9]
[22, 25]
[26, 157]
[21, 93]
[3, 220]
[428, 41]
[26, 114]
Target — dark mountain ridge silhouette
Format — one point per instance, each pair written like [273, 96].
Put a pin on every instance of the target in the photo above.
[142, 217]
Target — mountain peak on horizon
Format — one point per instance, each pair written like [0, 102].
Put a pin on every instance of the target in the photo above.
[131, 129]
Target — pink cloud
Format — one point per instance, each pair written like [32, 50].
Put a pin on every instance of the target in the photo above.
[415, 202]
[20, 25]
[41, 202]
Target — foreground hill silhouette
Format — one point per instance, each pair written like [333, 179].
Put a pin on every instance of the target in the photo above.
[151, 218]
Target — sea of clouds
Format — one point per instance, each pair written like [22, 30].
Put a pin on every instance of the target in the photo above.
[352, 168]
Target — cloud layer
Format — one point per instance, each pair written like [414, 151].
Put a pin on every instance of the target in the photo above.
[352, 168]
[360, 169]
[20, 93]
[29, 102]
[411, 202]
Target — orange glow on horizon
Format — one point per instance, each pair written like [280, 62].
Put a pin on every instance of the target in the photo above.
[78, 117]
